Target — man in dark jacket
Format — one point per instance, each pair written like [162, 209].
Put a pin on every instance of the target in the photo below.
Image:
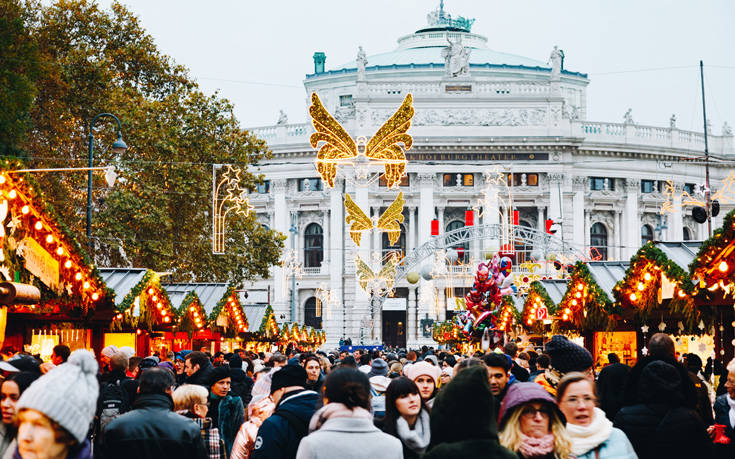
[198, 368]
[152, 430]
[498, 375]
[463, 419]
[609, 384]
[279, 435]
[242, 384]
[511, 349]
[660, 424]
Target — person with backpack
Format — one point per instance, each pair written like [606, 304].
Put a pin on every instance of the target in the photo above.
[279, 435]
[116, 396]
[151, 430]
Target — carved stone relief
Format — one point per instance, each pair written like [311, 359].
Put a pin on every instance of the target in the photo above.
[471, 117]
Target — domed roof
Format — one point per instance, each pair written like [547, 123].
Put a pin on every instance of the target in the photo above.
[433, 55]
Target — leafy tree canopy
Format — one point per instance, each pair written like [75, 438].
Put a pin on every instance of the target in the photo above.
[158, 214]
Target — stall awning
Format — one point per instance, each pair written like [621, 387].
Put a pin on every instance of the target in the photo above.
[140, 301]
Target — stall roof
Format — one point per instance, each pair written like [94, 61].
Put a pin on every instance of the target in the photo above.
[607, 273]
[681, 253]
[255, 315]
[555, 288]
[518, 302]
[177, 293]
[209, 293]
[122, 280]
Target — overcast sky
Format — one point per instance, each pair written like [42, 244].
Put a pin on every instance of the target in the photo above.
[256, 53]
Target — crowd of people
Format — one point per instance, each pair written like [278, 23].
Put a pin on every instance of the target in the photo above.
[505, 403]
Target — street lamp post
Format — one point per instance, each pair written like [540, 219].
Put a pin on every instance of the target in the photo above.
[118, 147]
[294, 230]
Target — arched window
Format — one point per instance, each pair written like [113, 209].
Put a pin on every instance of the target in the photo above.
[399, 247]
[463, 250]
[687, 234]
[598, 239]
[313, 246]
[646, 234]
[312, 313]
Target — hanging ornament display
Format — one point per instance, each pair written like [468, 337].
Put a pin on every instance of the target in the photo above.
[389, 222]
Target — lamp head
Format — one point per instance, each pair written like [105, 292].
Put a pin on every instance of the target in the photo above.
[119, 147]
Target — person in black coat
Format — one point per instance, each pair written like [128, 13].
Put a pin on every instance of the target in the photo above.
[242, 384]
[198, 369]
[660, 424]
[152, 430]
[693, 364]
[609, 384]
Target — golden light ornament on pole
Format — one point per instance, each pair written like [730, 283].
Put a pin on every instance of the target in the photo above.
[228, 195]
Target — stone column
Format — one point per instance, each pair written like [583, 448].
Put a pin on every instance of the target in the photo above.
[578, 233]
[411, 232]
[280, 223]
[618, 237]
[411, 316]
[587, 225]
[490, 214]
[440, 216]
[327, 243]
[555, 184]
[631, 220]
[376, 235]
[540, 220]
[426, 207]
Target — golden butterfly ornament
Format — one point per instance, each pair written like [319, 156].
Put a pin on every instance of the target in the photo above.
[389, 221]
[336, 146]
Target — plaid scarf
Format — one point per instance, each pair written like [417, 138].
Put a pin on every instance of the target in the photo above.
[212, 441]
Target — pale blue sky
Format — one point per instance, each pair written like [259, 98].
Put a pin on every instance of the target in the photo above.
[270, 43]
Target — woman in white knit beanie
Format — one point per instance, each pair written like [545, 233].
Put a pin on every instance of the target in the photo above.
[55, 412]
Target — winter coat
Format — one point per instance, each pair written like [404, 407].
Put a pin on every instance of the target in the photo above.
[632, 383]
[463, 419]
[201, 377]
[660, 424]
[231, 415]
[7, 435]
[152, 431]
[83, 451]
[617, 446]
[609, 382]
[722, 416]
[279, 435]
[519, 372]
[242, 385]
[704, 405]
[353, 438]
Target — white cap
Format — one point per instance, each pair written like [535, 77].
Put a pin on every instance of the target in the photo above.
[109, 351]
[129, 351]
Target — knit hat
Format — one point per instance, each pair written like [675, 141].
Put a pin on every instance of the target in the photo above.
[432, 358]
[109, 351]
[167, 365]
[67, 394]
[417, 369]
[219, 373]
[378, 368]
[21, 363]
[235, 361]
[519, 394]
[290, 375]
[129, 351]
[566, 356]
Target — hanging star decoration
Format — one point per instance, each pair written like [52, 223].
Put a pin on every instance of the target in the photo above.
[377, 282]
[229, 195]
[14, 224]
[389, 221]
[725, 194]
[644, 329]
[338, 148]
[700, 325]
[644, 350]
[662, 326]
[702, 347]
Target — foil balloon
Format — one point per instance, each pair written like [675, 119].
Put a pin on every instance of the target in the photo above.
[506, 264]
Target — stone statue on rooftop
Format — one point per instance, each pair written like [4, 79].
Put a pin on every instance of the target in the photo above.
[456, 58]
[556, 59]
[282, 117]
[628, 117]
[726, 129]
[361, 63]
[672, 121]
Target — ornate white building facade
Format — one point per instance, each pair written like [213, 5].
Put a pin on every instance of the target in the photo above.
[475, 109]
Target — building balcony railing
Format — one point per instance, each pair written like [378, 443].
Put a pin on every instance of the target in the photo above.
[632, 135]
[313, 271]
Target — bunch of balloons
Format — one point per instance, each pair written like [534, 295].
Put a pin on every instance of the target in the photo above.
[484, 301]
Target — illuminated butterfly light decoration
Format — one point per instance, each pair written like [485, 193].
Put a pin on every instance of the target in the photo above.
[386, 148]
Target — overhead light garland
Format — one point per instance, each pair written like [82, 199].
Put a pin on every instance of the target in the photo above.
[539, 307]
[191, 314]
[230, 306]
[585, 304]
[146, 306]
[714, 264]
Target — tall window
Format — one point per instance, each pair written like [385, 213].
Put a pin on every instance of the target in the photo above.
[313, 246]
[687, 234]
[458, 180]
[647, 186]
[601, 183]
[598, 239]
[310, 184]
[463, 250]
[399, 247]
[312, 313]
[646, 234]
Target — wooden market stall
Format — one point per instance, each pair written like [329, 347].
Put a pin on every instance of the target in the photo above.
[540, 308]
[264, 338]
[143, 310]
[590, 316]
[226, 322]
[191, 318]
[713, 273]
[75, 305]
[658, 294]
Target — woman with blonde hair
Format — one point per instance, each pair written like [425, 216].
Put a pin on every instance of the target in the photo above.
[191, 401]
[531, 424]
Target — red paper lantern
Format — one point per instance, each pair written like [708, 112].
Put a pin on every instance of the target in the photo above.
[515, 217]
[435, 227]
[469, 217]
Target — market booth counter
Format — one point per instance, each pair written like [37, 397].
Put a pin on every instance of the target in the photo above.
[72, 304]
[588, 312]
[226, 322]
[143, 310]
